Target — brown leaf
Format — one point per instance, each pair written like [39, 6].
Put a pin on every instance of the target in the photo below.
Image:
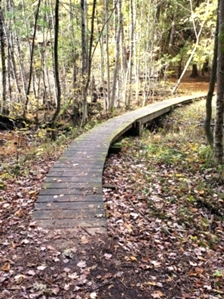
[6, 267]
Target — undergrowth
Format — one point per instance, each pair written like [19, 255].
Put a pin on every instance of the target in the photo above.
[176, 162]
[169, 202]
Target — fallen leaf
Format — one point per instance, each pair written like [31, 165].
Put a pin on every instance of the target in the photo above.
[19, 278]
[42, 267]
[193, 264]
[157, 294]
[31, 272]
[84, 240]
[134, 215]
[155, 264]
[93, 295]
[68, 253]
[6, 267]
[133, 258]
[73, 275]
[39, 286]
[107, 256]
[81, 264]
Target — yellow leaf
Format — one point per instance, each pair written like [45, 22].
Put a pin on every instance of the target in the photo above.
[133, 258]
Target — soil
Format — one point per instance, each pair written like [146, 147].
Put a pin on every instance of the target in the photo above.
[193, 85]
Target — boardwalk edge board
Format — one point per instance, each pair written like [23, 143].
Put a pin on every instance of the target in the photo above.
[71, 195]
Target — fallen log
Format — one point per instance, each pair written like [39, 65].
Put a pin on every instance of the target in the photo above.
[6, 123]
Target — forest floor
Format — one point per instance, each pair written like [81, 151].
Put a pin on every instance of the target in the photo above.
[165, 213]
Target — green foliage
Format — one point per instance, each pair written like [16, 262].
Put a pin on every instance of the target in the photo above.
[205, 153]
[165, 153]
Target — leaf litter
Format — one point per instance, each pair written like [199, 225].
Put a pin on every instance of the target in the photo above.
[165, 225]
[167, 209]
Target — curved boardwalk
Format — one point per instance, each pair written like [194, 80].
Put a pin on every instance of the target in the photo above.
[72, 193]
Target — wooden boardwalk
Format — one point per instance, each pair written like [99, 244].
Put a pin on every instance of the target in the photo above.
[71, 196]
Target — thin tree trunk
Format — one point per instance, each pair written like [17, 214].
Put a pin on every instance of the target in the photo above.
[52, 87]
[197, 35]
[208, 116]
[31, 58]
[88, 61]
[107, 101]
[56, 70]
[218, 133]
[84, 61]
[130, 67]
[19, 55]
[3, 108]
[117, 54]
[11, 60]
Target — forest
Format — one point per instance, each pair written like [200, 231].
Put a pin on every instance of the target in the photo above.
[69, 65]
[60, 57]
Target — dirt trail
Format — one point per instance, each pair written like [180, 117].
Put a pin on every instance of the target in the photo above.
[193, 85]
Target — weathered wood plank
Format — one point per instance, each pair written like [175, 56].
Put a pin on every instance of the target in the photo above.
[67, 164]
[69, 214]
[82, 186]
[69, 172]
[56, 196]
[48, 205]
[73, 179]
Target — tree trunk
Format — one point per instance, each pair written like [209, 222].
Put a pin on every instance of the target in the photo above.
[3, 108]
[218, 134]
[117, 54]
[107, 100]
[31, 58]
[194, 73]
[84, 61]
[208, 116]
[197, 36]
[87, 56]
[56, 70]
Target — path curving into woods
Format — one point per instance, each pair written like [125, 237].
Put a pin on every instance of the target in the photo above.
[71, 195]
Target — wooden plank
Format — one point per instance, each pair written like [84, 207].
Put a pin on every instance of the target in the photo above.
[69, 172]
[74, 179]
[48, 205]
[63, 197]
[82, 186]
[67, 164]
[81, 214]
